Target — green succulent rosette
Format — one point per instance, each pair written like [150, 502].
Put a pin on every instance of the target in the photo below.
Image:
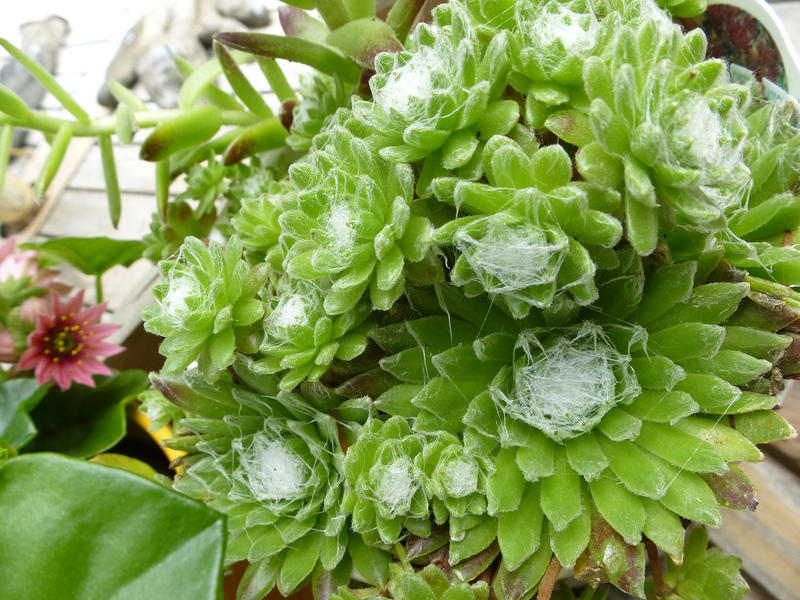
[429, 583]
[301, 340]
[385, 492]
[354, 222]
[437, 99]
[209, 297]
[763, 234]
[667, 130]
[273, 465]
[529, 235]
[321, 96]
[256, 223]
[627, 410]
[553, 41]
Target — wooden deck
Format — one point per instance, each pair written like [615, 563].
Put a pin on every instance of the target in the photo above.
[768, 540]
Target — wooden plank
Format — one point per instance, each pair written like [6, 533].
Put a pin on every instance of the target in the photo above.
[767, 540]
[788, 451]
[134, 175]
[72, 159]
[84, 213]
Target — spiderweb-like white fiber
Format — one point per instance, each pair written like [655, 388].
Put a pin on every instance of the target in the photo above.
[395, 484]
[511, 257]
[565, 382]
[269, 468]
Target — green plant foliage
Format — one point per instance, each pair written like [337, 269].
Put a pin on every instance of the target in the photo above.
[631, 410]
[364, 238]
[208, 296]
[440, 96]
[92, 256]
[273, 464]
[116, 519]
[85, 421]
[704, 573]
[18, 397]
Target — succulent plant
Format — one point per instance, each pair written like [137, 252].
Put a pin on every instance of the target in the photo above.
[321, 97]
[572, 396]
[530, 246]
[256, 223]
[436, 100]
[273, 464]
[704, 573]
[208, 295]
[429, 583]
[354, 222]
[301, 341]
[528, 307]
[668, 130]
[167, 234]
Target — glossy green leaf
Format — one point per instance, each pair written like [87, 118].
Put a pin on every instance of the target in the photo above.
[84, 421]
[17, 398]
[92, 256]
[71, 529]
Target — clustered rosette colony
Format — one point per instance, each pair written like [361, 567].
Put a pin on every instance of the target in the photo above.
[60, 340]
[522, 305]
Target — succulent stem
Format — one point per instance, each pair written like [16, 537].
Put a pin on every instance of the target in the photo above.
[107, 125]
[549, 579]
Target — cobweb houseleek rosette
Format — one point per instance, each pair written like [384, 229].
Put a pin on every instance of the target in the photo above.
[435, 100]
[429, 583]
[590, 415]
[385, 492]
[530, 235]
[209, 295]
[321, 96]
[667, 130]
[553, 39]
[273, 465]
[763, 233]
[354, 222]
[256, 223]
[301, 340]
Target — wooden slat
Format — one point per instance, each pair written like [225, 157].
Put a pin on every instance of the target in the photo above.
[767, 540]
[134, 175]
[84, 213]
[788, 451]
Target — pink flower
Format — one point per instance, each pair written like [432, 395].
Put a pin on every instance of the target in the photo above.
[66, 344]
[15, 264]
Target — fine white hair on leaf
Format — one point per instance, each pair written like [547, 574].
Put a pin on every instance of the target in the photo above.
[459, 477]
[543, 24]
[511, 257]
[176, 302]
[339, 228]
[292, 311]
[270, 469]
[565, 381]
[414, 79]
[395, 485]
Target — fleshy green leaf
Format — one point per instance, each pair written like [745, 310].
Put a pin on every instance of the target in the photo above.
[123, 518]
